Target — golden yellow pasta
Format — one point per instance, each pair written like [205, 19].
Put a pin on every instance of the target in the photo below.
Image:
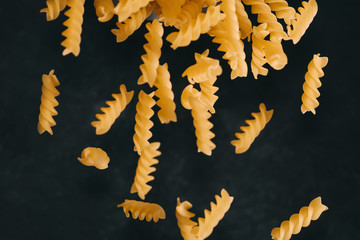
[130, 25]
[250, 132]
[183, 216]
[282, 10]
[245, 24]
[104, 9]
[74, 27]
[189, 11]
[258, 50]
[143, 123]
[153, 53]
[143, 210]
[144, 169]
[188, 92]
[208, 96]
[125, 8]
[165, 94]
[96, 157]
[312, 83]
[111, 113]
[48, 103]
[299, 220]
[54, 7]
[170, 10]
[303, 20]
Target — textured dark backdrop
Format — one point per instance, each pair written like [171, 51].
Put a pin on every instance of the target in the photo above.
[45, 193]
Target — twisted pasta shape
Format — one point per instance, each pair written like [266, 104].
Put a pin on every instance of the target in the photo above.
[166, 102]
[208, 96]
[130, 25]
[297, 221]
[170, 9]
[104, 9]
[125, 8]
[312, 83]
[258, 53]
[143, 210]
[243, 20]
[54, 7]
[191, 31]
[189, 11]
[303, 20]
[143, 123]
[250, 132]
[74, 27]
[111, 113]
[153, 53]
[96, 157]
[183, 216]
[48, 103]
[282, 10]
[213, 217]
[144, 169]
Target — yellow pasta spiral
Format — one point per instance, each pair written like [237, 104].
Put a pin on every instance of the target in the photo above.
[54, 7]
[111, 113]
[189, 11]
[165, 94]
[144, 169]
[303, 20]
[96, 157]
[143, 123]
[170, 9]
[143, 210]
[312, 83]
[191, 31]
[243, 19]
[250, 132]
[282, 10]
[130, 25]
[104, 9]
[153, 53]
[208, 96]
[74, 27]
[183, 216]
[297, 221]
[126, 7]
[258, 53]
[48, 103]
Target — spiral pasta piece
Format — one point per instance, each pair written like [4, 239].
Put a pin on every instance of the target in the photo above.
[303, 20]
[191, 31]
[96, 157]
[130, 25]
[153, 53]
[143, 210]
[74, 27]
[299, 220]
[144, 169]
[312, 83]
[245, 24]
[183, 216]
[125, 8]
[48, 103]
[282, 10]
[189, 11]
[250, 132]
[54, 7]
[165, 94]
[258, 53]
[143, 123]
[111, 113]
[104, 9]
[170, 10]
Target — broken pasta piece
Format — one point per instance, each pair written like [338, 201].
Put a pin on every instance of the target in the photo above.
[143, 210]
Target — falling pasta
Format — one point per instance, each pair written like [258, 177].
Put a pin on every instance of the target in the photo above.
[96, 157]
[143, 210]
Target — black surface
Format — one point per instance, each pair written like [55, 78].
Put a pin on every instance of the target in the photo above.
[45, 193]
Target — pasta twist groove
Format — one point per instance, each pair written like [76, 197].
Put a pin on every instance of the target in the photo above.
[125, 8]
[189, 11]
[299, 220]
[153, 53]
[104, 9]
[282, 10]
[250, 132]
[143, 210]
[183, 216]
[74, 27]
[48, 103]
[245, 24]
[208, 96]
[312, 83]
[144, 169]
[111, 113]
[53, 9]
[258, 53]
[170, 10]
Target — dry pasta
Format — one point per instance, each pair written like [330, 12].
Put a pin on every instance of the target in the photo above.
[48, 103]
[125, 8]
[183, 216]
[245, 24]
[53, 9]
[282, 10]
[189, 11]
[96, 157]
[312, 83]
[143, 210]
[170, 10]
[104, 9]
[258, 50]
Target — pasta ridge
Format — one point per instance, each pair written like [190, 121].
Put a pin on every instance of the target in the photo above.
[258, 53]
[74, 27]
[53, 9]
[183, 216]
[170, 10]
[104, 10]
[245, 24]
[189, 11]
[113, 111]
[282, 10]
[299, 220]
[48, 103]
[125, 8]
[312, 83]
[143, 210]
[250, 132]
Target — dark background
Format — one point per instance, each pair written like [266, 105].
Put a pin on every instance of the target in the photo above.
[45, 193]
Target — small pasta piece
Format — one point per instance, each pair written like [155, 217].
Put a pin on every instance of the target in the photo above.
[54, 7]
[143, 210]
[275, 56]
[188, 92]
[125, 8]
[258, 53]
[183, 216]
[299, 220]
[245, 24]
[250, 132]
[92, 156]
[166, 114]
[189, 11]
[144, 169]
[282, 10]
[48, 103]
[111, 113]
[170, 10]
[303, 20]
[153, 53]
[104, 9]
[74, 27]
[312, 83]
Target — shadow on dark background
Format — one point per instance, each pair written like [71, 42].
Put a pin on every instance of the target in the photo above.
[47, 194]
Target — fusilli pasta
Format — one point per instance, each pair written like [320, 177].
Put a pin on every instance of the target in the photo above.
[143, 210]
[183, 216]
[282, 10]
[258, 53]
[54, 7]
[104, 9]
[170, 10]
[243, 19]
[96, 157]
[189, 11]
[125, 8]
